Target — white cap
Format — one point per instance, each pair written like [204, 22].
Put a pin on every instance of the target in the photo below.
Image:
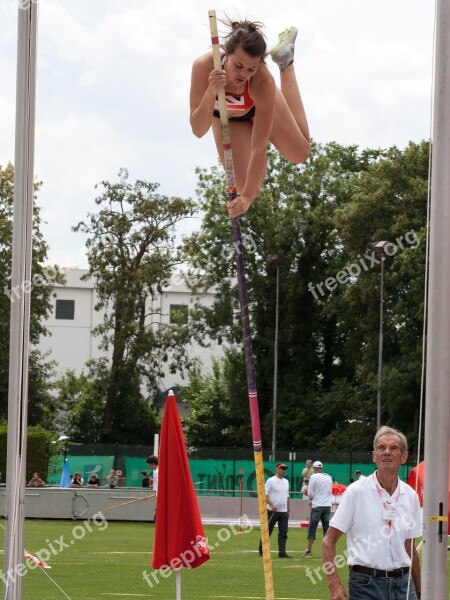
[317, 463]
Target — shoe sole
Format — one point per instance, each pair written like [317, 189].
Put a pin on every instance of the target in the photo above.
[288, 36]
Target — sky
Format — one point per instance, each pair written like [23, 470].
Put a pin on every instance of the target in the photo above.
[113, 82]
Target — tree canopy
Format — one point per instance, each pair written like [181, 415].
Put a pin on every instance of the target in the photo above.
[131, 252]
[319, 217]
[41, 403]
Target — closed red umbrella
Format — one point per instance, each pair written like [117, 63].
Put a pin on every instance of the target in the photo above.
[179, 535]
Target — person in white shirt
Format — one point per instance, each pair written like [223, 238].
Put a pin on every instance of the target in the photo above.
[277, 498]
[153, 462]
[320, 496]
[381, 516]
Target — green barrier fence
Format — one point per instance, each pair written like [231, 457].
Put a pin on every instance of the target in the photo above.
[211, 477]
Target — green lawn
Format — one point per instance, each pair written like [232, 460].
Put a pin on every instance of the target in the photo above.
[107, 560]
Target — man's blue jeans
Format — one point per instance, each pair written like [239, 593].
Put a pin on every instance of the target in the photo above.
[366, 587]
[319, 513]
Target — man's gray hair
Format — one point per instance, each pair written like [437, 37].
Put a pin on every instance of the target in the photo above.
[385, 430]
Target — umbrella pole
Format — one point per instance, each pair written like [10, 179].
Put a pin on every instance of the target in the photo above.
[245, 318]
[178, 583]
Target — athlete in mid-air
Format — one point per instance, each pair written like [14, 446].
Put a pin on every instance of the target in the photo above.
[258, 111]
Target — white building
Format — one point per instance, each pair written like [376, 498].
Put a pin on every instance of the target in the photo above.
[71, 343]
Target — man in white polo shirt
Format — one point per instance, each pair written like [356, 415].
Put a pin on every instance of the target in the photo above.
[381, 516]
[277, 498]
[319, 494]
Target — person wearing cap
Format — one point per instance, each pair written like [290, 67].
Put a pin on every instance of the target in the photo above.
[320, 496]
[277, 498]
[380, 516]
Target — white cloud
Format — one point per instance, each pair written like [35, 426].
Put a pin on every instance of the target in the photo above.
[113, 89]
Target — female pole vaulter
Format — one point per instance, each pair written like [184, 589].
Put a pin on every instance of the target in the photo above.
[258, 111]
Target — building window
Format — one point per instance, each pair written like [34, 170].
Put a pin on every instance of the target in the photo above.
[179, 314]
[65, 309]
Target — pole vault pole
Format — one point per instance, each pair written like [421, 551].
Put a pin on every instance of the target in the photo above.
[245, 318]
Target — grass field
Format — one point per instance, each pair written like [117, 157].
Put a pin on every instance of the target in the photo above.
[107, 560]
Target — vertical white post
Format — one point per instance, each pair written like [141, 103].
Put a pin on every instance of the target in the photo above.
[20, 307]
[178, 583]
[437, 418]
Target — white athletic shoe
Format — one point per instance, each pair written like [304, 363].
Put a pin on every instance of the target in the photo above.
[283, 53]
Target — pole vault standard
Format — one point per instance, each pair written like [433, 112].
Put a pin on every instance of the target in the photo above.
[20, 309]
[437, 406]
[245, 318]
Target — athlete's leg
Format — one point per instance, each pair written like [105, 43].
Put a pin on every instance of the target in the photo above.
[290, 132]
[287, 135]
[291, 93]
[241, 133]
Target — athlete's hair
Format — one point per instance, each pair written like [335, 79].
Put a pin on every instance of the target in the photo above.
[246, 34]
[385, 430]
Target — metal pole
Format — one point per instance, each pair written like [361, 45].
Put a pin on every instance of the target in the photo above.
[20, 309]
[275, 369]
[380, 344]
[437, 406]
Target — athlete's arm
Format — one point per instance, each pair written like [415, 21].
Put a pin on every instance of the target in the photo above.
[205, 85]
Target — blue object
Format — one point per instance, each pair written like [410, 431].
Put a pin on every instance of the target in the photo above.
[65, 476]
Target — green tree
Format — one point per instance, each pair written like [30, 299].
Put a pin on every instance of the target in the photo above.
[131, 253]
[319, 217]
[42, 408]
[82, 399]
[388, 204]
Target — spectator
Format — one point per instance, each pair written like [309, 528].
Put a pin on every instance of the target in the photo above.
[308, 470]
[152, 462]
[305, 486]
[93, 481]
[358, 475]
[145, 479]
[112, 480]
[76, 480]
[320, 496]
[36, 481]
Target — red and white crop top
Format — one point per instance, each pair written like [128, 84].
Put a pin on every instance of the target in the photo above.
[237, 105]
